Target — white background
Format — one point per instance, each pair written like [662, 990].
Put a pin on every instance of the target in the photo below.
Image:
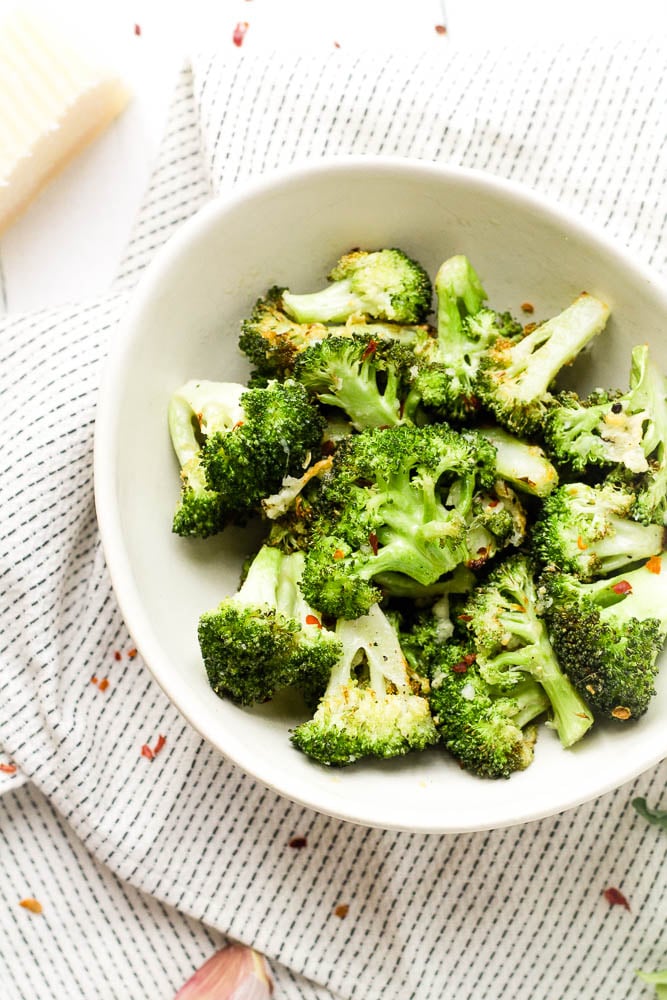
[67, 245]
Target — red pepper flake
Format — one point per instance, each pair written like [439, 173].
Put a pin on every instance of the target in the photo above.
[297, 843]
[581, 544]
[615, 897]
[654, 565]
[161, 740]
[131, 653]
[104, 684]
[493, 503]
[336, 45]
[313, 620]
[527, 307]
[465, 618]
[462, 666]
[622, 587]
[342, 910]
[240, 33]
[529, 327]
[371, 348]
[328, 447]
[339, 554]
[7, 768]
[440, 29]
[93, 679]
[373, 542]
[117, 655]
[147, 752]
[31, 904]
[137, 29]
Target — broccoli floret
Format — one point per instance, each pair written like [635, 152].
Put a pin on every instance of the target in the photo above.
[384, 509]
[465, 330]
[277, 432]
[514, 378]
[372, 706]
[657, 979]
[383, 284]
[511, 640]
[196, 409]
[520, 463]
[367, 378]
[497, 519]
[486, 728]
[626, 430]
[608, 635]
[588, 531]
[266, 637]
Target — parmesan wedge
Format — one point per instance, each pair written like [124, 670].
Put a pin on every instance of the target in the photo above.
[53, 102]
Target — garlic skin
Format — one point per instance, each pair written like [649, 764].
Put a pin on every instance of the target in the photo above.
[234, 973]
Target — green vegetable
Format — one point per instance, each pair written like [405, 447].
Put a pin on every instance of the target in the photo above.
[658, 817]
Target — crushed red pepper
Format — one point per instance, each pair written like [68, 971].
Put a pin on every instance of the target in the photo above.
[622, 587]
[137, 29]
[462, 666]
[8, 768]
[313, 620]
[239, 33]
[117, 655]
[104, 684]
[440, 29]
[342, 910]
[339, 554]
[31, 904]
[615, 897]
[336, 45]
[373, 542]
[371, 348]
[654, 565]
[131, 653]
[527, 307]
[297, 843]
[147, 752]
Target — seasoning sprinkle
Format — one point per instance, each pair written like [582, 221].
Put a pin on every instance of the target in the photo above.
[131, 653]
[161, 740]
[654, 565]
[527, 307]
[342, 910]
[147, 752]
[615, 897]
[339, 554]
[137, 29]
[117, 655]
[31, 904]
[440, 29]
[373, 542]
[297, 843]
[104, 684]
[622, 587]
[313, 620]
[7, 768]
[240, 33]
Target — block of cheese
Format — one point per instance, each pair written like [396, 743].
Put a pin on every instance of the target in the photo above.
[53, 102]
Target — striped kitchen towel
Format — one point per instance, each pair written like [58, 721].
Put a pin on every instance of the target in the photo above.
[338, 909]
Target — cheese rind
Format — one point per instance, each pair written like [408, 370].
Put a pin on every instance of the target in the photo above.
[53, 103]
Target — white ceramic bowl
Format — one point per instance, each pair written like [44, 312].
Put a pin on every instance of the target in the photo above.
[288, 228]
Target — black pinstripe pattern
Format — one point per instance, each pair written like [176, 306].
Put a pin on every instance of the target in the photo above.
[506, 914]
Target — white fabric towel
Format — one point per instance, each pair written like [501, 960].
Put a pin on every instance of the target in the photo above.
[516, 913]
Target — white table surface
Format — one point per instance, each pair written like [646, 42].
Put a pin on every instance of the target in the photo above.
[67, 245]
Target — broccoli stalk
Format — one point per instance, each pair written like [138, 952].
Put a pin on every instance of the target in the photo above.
[372, 706]
[587, 531]
[608, 635]
[520, 463]
[512, 640]
[367, 378]
[266, 637]
[514, 378]
[384, 510]
[195, 410]
[384, 284]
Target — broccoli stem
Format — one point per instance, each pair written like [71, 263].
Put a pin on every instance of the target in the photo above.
[630, 595]
[261, 585]
[537, 359]
[373, 635]
[523, 465]
[627, 542]
[333, 304]
[532, 701]
[356, 392]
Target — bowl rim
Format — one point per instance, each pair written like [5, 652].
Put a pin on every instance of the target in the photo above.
[106, 444]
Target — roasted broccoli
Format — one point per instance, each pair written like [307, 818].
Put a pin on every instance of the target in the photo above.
[465, 330]
[515, 377]
[383, 284]
[588, 531]
[511, 640]
[266, 637]
[627, 431]
[386, 508]
[608, 635]
[373, 705]
[195, 410]
[278, 430]
[368, 379]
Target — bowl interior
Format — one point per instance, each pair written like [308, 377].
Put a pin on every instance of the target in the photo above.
[184, 322]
